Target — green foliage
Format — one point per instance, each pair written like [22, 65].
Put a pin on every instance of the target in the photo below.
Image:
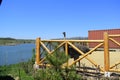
[72, 75]
[28, 66]
[57, 59]
[46, 74]
[3, 70]
[14, 71]
[56, 72]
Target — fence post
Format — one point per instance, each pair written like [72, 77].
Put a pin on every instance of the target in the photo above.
[66, 46]
[66, 51]
[37, 53]
[106, 55]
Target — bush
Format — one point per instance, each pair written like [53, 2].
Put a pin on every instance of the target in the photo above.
[55, 71]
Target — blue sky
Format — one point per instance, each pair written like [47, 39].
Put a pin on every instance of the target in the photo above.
[29, 19]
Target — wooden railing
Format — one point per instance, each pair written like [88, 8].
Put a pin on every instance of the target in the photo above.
[111, 38]
[105, 43]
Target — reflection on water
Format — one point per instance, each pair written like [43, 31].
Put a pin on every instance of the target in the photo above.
[15, 54]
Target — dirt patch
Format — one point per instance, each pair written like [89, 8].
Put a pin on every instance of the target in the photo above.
[98, 57]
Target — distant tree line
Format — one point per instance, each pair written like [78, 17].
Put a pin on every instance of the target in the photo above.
[12, 41]
[7, 38]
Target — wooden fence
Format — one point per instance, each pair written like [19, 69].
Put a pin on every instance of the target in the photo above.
[105, 43]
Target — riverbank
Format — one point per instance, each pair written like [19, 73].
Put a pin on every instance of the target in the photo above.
[19, 71]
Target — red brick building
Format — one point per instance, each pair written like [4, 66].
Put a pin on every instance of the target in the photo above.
[98, 35]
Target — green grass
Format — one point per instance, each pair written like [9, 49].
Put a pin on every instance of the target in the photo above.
[15, 70]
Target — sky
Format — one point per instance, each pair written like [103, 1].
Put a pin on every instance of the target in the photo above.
[48, 19]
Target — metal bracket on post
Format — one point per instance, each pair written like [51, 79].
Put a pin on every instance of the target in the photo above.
[107, 74]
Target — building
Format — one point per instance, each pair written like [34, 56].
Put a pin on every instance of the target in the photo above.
[98, 35]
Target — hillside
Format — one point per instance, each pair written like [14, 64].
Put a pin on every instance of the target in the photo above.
[12, 41]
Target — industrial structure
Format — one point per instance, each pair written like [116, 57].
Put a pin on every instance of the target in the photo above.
[98, 35]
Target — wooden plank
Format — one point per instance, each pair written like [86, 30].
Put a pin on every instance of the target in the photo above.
[45, 47]
[114, 70]
[84, 55]
[53, 51]
[115, 65]
[115, 35]
[113, 40]
[73, 41]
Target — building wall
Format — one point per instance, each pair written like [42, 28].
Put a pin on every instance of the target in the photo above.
[98, 35]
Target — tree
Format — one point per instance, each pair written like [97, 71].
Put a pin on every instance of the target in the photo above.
[55, 71]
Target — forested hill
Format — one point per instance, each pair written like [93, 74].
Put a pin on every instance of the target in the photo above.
[7, 38]
[12, 41]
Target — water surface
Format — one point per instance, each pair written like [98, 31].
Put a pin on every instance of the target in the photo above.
[15, 54]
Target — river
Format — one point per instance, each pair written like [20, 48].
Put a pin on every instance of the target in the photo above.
[15, 54]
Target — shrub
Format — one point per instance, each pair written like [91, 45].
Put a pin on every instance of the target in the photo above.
[55, 71]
